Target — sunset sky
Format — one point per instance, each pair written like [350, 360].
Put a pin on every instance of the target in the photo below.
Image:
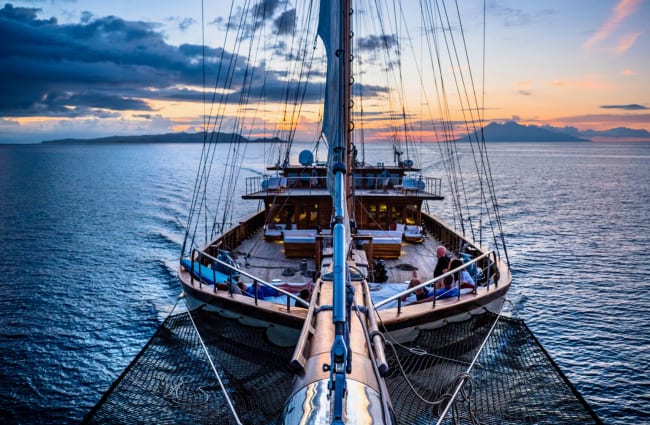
[87, 69]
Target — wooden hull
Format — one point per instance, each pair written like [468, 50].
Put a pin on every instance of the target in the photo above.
[272, 314]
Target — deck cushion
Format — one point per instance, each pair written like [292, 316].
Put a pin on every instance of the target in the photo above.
[204, 273]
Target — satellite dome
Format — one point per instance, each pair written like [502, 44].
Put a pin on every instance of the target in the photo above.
[306, 158]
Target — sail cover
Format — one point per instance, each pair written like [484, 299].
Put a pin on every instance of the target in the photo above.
[329, 30]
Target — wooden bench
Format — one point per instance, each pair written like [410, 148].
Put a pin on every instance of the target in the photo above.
[300, 243]
[385, 243]
[273, 231]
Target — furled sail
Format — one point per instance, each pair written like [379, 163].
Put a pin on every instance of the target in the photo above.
[329, 31]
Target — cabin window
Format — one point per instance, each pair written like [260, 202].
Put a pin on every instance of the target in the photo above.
[412, 213]
[382, 218]
[302, 218]
[395, 214]
[287, 215]
[313, 216]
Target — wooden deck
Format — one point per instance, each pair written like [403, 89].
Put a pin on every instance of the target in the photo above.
[419, 255]
[267, 260]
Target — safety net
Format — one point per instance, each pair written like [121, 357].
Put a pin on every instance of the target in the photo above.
[172, 380]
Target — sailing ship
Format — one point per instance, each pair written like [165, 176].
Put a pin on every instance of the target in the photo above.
[341, 253]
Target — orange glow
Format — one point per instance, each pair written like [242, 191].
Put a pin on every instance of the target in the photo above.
[623, 9]
[627, 41]
[590, 83]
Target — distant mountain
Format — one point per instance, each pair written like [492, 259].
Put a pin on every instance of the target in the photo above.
[513, 132]
[494, 132]
[164, 138]
[618, 133]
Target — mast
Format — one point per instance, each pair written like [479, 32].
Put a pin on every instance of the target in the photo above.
[346, 83]
[340, 362]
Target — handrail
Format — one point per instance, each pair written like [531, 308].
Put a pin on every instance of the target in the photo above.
[254, 278]
[375, 336]
[408, 291]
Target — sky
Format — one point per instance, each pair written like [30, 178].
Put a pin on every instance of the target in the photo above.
[86, 69]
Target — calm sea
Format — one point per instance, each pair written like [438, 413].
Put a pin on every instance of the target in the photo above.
[90, 235]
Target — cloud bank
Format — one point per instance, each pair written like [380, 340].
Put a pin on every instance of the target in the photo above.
[101, 66]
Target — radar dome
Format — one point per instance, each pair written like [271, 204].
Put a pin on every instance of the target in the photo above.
[306, 158]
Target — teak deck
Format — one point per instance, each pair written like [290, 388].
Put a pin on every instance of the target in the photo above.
[267, 260]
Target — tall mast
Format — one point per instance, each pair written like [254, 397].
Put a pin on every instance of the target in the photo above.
[340, 361]
[346, 82]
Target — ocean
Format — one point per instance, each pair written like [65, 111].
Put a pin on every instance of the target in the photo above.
[90, 237]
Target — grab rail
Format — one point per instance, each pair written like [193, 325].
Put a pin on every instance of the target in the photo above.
[409, 291]
[254, 278]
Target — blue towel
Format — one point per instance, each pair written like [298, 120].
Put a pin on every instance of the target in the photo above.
[204, 273]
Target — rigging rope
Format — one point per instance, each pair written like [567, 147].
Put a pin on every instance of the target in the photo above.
[214, 369]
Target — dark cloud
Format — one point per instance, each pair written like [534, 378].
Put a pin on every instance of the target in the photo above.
[286, 22]
[24, 14]
[377, 42]
[368, 91]
[628, 107]
[86, 17]
[369, 49]
[184, 24]
[256, 16]
[102, 66]
[524, 93]
[98, 64]
[265, 9]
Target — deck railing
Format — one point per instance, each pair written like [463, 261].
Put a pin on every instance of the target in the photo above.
[232, 237]
[272, 185]
[490, 256]
[407, 184]
[412, 185]
[198, 255]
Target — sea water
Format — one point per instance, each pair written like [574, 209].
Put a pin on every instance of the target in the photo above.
[90, 237]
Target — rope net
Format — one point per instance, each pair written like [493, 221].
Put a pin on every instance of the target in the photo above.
[513, 382]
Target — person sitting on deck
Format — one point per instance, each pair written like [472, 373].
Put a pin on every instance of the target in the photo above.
[493, 273]
[441, 264]
[447, 290]
[451, 282]
[462, 276]
[305, 295]
[421, 293]
[263, 291]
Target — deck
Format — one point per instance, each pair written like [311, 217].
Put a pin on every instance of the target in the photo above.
[266, 260]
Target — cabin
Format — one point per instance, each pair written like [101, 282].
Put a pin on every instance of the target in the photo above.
[387, 207]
